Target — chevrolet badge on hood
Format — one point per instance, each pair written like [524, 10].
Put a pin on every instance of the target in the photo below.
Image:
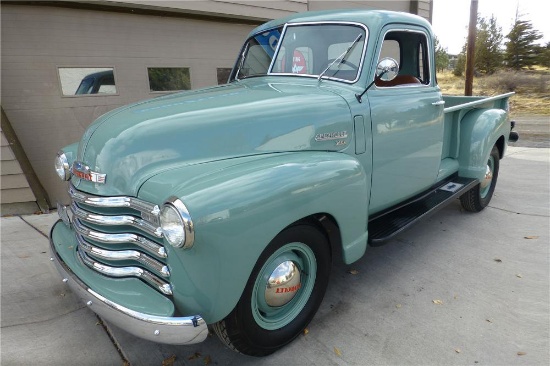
[83, 171]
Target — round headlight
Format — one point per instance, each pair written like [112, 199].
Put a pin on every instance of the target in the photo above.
[62, 166]
[176, 224]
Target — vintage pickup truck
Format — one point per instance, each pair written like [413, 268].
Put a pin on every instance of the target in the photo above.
[223, 208]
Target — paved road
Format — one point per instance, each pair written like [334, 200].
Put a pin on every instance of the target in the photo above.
[534, 131]
[490, 271]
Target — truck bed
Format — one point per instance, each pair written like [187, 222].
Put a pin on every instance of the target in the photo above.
[454, 103]
[456, 107]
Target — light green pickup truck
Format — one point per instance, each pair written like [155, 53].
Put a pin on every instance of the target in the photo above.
[223, 208]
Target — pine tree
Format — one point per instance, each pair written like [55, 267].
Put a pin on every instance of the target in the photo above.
[522, 49]
[441, 56]
[488, 56]
[460, 65]
[544, 56]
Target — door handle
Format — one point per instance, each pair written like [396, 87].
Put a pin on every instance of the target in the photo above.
[439, 102]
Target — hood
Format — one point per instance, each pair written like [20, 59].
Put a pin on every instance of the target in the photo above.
[251, 117]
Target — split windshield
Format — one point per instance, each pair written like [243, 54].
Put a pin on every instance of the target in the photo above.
[333, 51]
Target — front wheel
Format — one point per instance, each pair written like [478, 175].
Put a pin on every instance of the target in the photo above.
[282, 294]
[477, 198]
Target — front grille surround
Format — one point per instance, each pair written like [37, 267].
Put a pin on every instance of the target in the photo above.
[120, 237]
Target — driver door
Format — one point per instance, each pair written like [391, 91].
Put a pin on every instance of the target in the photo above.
[407, 127]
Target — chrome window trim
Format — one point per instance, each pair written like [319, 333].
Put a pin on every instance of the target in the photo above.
[122, 255]
[286, 25]
[120, 272]
[120, 238]
[116, 220]
[429, 60]
[117, 201]
[244, 51]
[270, 68]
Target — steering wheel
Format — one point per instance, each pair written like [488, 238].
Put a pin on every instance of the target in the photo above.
[345, 62]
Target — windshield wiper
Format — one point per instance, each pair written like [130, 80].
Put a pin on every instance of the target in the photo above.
[341, 57]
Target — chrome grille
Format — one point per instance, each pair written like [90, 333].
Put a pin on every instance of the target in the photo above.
[120, 237]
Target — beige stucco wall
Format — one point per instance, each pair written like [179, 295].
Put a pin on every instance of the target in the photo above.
[234, 9]
[37, 40]
[263, 10]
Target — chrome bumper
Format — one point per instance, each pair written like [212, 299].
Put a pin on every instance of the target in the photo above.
[169, 330]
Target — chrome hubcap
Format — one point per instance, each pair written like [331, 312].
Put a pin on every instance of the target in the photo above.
[283, 284]
[488, 177]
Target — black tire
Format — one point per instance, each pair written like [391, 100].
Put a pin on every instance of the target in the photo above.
[477, 198]
[245, 329]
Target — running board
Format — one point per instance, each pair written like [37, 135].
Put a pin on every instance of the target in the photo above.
[384, 227]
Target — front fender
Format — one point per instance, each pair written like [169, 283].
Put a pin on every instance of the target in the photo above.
[238, 206]
[479, 131]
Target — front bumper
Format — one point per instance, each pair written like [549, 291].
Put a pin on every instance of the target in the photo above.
[169, 330]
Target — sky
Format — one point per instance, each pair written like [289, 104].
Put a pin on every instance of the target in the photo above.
[451, 17]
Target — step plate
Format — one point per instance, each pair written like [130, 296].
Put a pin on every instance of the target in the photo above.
[385, 227]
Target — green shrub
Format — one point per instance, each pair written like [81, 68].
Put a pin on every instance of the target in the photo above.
[507, 81]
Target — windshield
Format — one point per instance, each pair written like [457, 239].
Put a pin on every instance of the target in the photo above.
[333, 51]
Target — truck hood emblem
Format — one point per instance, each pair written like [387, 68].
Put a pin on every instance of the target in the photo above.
[83, 171]
[331, 136]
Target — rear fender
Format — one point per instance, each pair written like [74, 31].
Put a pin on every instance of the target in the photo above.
[240, 205]
[480, 130]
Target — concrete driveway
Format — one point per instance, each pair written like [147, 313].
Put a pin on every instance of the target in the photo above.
[459, 288]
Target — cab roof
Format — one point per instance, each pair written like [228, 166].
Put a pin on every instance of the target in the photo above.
[373, 19]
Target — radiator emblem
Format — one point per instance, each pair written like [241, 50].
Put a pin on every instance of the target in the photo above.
[83, 171]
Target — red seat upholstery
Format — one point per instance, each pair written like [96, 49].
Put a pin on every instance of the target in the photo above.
[399, 80]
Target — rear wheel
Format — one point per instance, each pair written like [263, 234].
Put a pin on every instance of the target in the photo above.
[477, 198]
[282, 295]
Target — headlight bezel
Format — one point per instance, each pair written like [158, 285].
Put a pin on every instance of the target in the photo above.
[62, 166]
[178, 208]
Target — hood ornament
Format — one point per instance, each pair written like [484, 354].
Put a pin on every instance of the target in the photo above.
[83, 171]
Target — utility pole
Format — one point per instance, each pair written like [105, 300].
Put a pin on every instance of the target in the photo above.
[471, 48]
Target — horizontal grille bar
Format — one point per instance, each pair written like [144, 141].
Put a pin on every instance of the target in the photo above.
[118, 201]
[120, 238]
[116, 221]
[121, 272]
[123, 255]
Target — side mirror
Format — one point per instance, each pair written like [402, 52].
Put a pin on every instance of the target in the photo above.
[387, 69]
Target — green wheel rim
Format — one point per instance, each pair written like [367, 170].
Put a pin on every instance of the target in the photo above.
[488, 180]
[276, 317]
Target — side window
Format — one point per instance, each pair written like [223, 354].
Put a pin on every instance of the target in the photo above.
[168, 78]
[390, 48]
[257, 61]
[81, 81]
[222, 74]
[423, 66]
[410, 50]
